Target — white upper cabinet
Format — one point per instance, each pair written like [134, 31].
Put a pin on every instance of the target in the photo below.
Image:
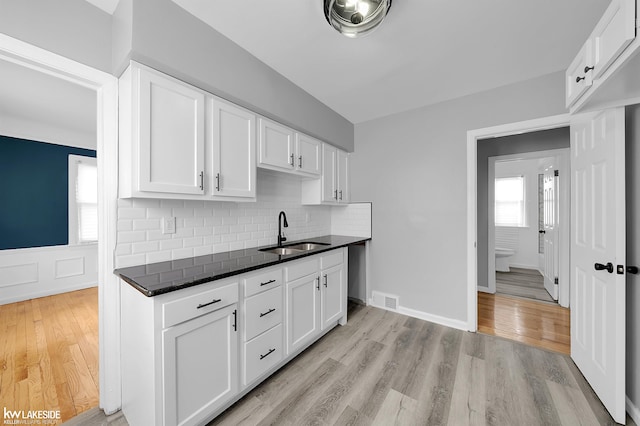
[342, 174]
[286, 150]
[232, 133]
[579, 76]
[333, 186]
[308, 155]
[604, 73]
[614, 32]
[277, 146]
[162, 127]
[329, 174]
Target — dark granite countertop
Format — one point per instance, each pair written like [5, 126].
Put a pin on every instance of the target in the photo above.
[163, 277]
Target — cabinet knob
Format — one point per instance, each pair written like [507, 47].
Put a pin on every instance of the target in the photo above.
[578, 79]
[587, 69]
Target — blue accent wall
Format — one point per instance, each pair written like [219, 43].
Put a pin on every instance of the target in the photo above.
[34, 205]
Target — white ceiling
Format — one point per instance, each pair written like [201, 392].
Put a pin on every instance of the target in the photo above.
[33, 97]
[425, 51]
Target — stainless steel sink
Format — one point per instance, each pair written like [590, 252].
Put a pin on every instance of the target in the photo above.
[281, 250]
[294, 248]
[307, 246]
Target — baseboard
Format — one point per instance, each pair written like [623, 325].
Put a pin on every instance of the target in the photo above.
[437, 319]
[522, 266]
[633, 411]
[46, 292]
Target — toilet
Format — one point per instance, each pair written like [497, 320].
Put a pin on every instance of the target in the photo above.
[502, 258]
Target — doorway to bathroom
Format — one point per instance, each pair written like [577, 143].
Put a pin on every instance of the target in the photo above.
[528, 243]
[518, 305]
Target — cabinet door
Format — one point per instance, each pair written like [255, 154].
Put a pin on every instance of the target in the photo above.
[303, 311]
[276, 146]
[579, 76]
[343, 177]
[233, 149]
[200, 366]
[614, 32]
[309, 154]
[329, 173]
[333, 295]
[171, 124]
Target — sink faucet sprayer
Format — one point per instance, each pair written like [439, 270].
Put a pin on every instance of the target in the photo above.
[281, 216]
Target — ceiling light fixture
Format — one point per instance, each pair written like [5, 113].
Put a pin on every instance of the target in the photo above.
[354, 18]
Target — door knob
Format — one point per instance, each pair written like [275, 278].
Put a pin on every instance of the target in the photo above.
[608, 267]
[632, 269]
[542, 231]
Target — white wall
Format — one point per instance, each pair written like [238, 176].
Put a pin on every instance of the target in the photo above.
[527, 248]
[205, 227]
[412, 166]
[43, 271]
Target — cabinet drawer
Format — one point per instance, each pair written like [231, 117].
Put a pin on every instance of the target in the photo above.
[189, 307]
[302, 269]
[262, 281]
[262, 312]
[332, 259]
[262, 353]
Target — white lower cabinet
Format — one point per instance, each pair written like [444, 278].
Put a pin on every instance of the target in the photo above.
[199, 366]
[189, 354]
[303, 313]
[316, 300]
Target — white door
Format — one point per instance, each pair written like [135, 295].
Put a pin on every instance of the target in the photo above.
[233, 150]
[550, 208]
[171, 120]
[276, 146]
[598, 253]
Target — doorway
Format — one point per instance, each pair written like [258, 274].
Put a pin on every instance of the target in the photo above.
[528, 209]
[105, 88]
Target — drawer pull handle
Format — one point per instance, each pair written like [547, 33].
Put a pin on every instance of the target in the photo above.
[202, 305]
[268, 312]
[268, 353]
[235, 320]
[267, 283]
[325, 280]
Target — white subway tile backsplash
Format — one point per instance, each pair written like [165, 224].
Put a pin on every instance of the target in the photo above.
[205, 227]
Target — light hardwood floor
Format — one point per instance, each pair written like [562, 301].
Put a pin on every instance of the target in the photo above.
[383, 368]
[521, 282]
[49, 353]
[543, 325]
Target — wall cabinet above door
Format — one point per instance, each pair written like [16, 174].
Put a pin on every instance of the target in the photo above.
[162, 123]
[604, 72]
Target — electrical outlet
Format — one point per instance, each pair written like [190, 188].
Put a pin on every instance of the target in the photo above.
[169, 225]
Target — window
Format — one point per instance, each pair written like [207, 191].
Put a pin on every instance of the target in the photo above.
[83, 199]
[509, 196]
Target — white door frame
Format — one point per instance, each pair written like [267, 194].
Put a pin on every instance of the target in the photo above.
[473, 136]
[562, 155]
[106, 88]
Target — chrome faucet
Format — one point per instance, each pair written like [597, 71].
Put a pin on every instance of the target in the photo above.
[281, 216]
